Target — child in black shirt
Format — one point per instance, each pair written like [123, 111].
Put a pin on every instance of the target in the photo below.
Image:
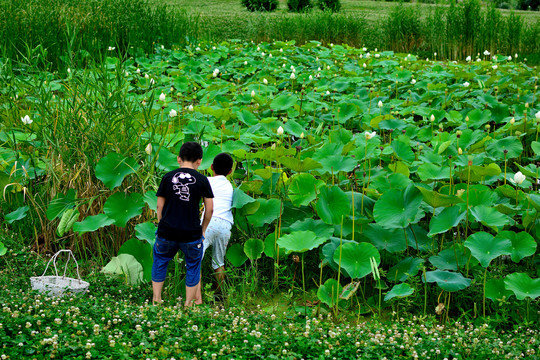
[179, 196]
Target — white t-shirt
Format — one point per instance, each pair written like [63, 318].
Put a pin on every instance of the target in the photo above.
[223, 197]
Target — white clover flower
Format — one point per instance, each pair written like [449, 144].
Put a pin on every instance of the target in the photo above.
[519, 178]
[280, 131]
[370, 135]
[468, 59]
[197, 49]
[293, 76]
[26, 120]
[466, 84]
[162, 97]
[216, 70]
[377, 55]
[265, 82]
[190, 107]
[478, 60]
[364, 49]
[173, 113]
[111, 48]
[380, 104]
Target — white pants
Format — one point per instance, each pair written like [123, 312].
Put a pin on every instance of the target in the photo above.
[217, 235]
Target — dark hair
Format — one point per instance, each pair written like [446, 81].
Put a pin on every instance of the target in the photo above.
[190, 151]
[222, 164]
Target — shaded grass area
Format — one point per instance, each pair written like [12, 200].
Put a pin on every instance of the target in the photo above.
[116, 321]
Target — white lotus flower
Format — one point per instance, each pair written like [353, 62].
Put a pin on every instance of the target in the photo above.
[510, 58]
[370, 135]
[364, 65]
[380, 104]
[328, 67]
[301, 135]
[146, 76]
[213, 48]
[466, 84]
[127, 74]
[262, 54]
[468, 58]
[252, 93]
[152, 81]
[138, 71]
[512, 121]
[516, 55]
[310, 77]
[494, 67]
[280, 131]
[190, 107]
[245, 62]
[377, 55]
[364, 49]
[216, 70]
[148, 149]
[486, 53]
[280, 50]
[265, 82]
[478, 60]
[26, 120]
[173, 113]
[459, 151]
[519, 178]
[537, 115]
[293, 76]
[327, 92]
[197, 49]
[162, 97]
[434, 54]
[111, 48]
[413, 81]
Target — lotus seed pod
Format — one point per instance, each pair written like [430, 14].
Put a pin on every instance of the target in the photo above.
[488, 126]
[458, 133]
[518, 133]
[421, 147]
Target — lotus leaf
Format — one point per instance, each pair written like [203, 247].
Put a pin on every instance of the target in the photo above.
[16, 215]
[447, 219]
[397, 209]
[522, 285]
[125, 265]
[3, 249]
[269, 210]
[333, 204]
[113, 168]
[236, 255]
[92, 223]
[253, 248]
[485, 247]
[391, 240]
[490, 217]
[355, 258]
[146, 231]
[300, 241]
[400, 291]
[404, 269]
[495, 290]
[61, 203]
[329, 292]
[447, 280]
[303, 189]
[142, 252]
[523, 244]
[121, 207]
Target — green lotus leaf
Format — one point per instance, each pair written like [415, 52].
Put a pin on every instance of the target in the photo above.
[209, 153]
[247, 117]
[391, 240]
[269, 210]
[523, 286]
[270, 245]
[399, 291]
[121, 207]
[450, 259]
[404, 269]
[60, 204]
[236, 255]
[319, 227]
[495, 290]
[142, 252]
[328, 250]
[16, 215]
[489, 216]
[146, 231]
[150, 199]
[403, 151]
[447, 280]
[496, 149]
[485, 247]
[303, 189]
[344, 112]
[355, 258]
[430, 171]
[92, 223]
[113, 168]
[240, 199]
[535, 146]
[397, 209]
[447, 219]
[300, 241]
[296, 165]
[167, 161]
[329, 292]
[332, 160]
[253, 248]
[127, 266]
[283, 102]
[523, 244]
[333, 205]
[3, 249]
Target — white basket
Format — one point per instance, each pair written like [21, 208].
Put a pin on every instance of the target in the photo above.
[55, 285]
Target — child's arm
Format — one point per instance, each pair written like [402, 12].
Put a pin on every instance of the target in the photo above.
[159, 208]
[208, 210]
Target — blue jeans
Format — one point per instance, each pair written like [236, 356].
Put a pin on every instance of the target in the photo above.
[165, 250]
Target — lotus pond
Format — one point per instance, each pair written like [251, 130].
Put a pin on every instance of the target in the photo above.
[365, 180]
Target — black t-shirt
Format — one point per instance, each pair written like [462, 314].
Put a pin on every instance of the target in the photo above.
[182, 189]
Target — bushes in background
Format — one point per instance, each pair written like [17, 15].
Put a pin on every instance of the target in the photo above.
[299, 5]
[260, 5]
[332, 5]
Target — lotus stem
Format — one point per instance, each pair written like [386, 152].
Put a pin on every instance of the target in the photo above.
[484, 294]
[336, 311]
[505, 163]
[425, 289]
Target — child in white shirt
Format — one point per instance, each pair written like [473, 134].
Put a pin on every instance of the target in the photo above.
[218, 232]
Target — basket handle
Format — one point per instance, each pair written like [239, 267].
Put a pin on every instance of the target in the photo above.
[55, 256]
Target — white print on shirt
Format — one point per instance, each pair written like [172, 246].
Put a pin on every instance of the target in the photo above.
[180, 184]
